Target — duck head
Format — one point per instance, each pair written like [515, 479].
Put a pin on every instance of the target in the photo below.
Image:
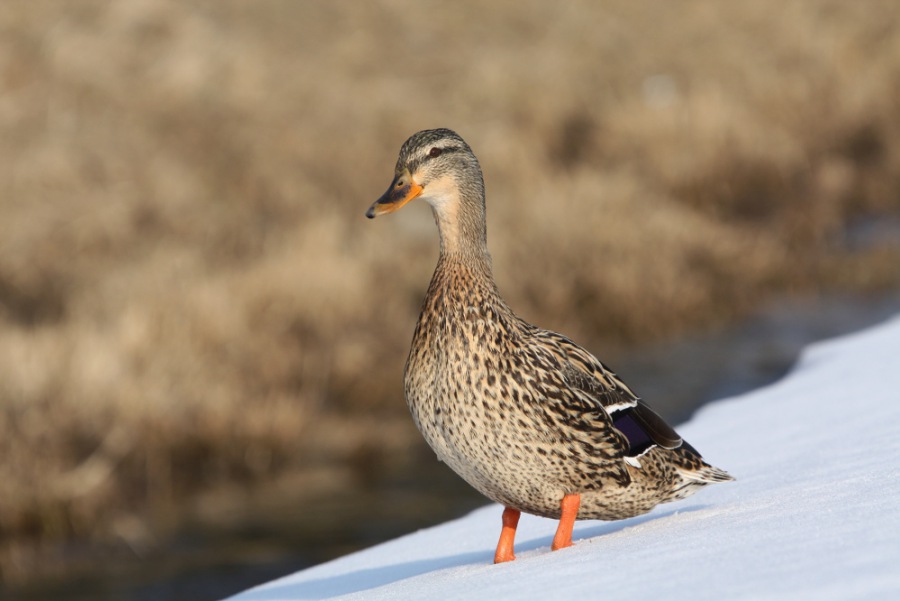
[437, 166]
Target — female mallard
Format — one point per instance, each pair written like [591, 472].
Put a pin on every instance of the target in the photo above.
[526, 416]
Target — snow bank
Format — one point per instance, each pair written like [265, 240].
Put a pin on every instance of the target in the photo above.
[815, 513]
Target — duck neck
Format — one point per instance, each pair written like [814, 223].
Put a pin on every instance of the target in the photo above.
[462, 227]
[463, 239]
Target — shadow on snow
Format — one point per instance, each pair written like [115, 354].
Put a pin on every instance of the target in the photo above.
[370, 578]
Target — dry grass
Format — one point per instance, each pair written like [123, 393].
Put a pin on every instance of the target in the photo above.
[190, 295]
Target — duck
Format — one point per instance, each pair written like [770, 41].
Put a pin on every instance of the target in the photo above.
[526, 416]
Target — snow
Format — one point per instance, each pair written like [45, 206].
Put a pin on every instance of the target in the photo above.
[815, 513]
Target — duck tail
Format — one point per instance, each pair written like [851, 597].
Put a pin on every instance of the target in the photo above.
[694, 471]
[707, 474]
[691, 466]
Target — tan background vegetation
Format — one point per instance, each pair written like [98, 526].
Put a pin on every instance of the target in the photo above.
[190, 296]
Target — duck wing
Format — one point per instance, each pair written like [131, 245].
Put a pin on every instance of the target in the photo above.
[598, 387]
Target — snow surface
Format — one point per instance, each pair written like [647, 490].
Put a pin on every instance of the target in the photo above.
[815, 513]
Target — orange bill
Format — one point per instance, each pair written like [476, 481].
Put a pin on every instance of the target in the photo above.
[403, 189]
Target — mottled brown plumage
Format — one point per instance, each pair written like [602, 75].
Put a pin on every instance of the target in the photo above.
[524, 415]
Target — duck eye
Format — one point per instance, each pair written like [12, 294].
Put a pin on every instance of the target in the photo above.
[435, 152]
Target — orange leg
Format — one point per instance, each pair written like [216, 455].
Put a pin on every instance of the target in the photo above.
[507, 536]
[563, 538]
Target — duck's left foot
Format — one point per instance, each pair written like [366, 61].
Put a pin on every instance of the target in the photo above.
[507, 536]
[563, 538]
